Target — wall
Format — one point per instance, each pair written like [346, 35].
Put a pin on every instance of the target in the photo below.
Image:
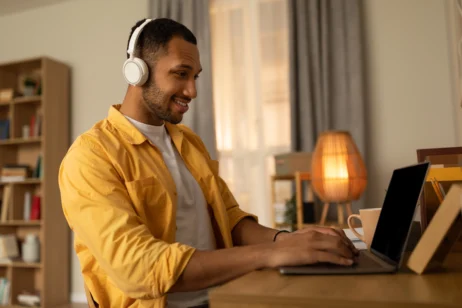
[410, 99]
[91, 37]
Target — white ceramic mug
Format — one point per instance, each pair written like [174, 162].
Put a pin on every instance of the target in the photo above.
[369, 219]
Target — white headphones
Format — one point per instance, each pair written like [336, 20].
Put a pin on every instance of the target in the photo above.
[135, 70]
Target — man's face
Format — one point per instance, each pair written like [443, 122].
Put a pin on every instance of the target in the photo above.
[172, 84]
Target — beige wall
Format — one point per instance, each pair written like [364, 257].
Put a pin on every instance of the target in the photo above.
[91, 37]
[410, 100]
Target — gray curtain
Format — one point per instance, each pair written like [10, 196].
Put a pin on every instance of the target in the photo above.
[194, 14]
[326, 71]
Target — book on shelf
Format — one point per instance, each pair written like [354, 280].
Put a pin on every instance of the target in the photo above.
[38, 170]
[6, 202]
[35, 125]
[35, 208]
[5, 291]
[9, 246]
[18, 172]
[4, 129]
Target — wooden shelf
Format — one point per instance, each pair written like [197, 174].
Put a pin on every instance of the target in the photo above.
[27, 99]
[283, 177]
[21, 264]
[25, 182]
[23, 100]
[20, 223]
[304, 176]
[16, 141]
[26, 265]
[15, 306]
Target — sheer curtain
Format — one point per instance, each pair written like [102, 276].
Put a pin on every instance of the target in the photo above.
[250, 63]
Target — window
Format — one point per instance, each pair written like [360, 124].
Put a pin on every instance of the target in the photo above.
[251, 96]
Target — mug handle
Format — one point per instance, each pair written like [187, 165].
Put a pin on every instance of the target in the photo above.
[353, 229]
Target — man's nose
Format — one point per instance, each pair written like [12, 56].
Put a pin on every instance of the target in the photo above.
[190, 90]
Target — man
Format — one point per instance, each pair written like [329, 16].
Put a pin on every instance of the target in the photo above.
[154, 223]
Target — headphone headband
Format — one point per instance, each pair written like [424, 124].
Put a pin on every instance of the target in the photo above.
[135, 70]
[134, 37]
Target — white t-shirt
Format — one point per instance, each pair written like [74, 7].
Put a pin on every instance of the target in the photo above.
[192, 218]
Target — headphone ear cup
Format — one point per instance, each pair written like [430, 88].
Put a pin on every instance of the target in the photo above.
[135, 71]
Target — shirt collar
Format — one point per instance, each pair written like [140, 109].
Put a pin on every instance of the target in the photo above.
[133, 135]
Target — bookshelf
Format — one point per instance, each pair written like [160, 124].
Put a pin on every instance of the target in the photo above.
[45, 116]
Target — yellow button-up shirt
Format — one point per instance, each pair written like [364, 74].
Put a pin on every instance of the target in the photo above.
[120, 201]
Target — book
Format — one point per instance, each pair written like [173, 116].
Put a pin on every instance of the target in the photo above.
[441, 234]
[4, 129]
[35, 210]
[9, 246]
[6, 200]
[38, 168]
[27, 205]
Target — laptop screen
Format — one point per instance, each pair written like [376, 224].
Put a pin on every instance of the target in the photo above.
[398, 211]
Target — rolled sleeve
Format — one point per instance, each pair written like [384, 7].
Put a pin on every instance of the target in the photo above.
[98, 209]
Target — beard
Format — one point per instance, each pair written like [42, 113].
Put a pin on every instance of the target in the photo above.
[158, 103]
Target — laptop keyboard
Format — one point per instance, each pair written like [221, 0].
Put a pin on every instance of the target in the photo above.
[364, 261]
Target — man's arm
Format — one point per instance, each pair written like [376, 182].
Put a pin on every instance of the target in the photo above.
[249, 232]
[210, 268]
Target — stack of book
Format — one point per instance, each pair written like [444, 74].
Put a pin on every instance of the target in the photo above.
[14, 172]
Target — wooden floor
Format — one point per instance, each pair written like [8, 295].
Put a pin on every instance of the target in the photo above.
[74, 305]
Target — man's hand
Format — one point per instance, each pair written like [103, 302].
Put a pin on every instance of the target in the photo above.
[306, 246]
[312, 245]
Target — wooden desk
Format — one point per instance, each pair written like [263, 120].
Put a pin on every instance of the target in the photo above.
[267, 288]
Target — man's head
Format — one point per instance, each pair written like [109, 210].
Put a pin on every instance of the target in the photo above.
[170, 52]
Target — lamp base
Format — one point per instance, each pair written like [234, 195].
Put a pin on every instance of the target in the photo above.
[340, 215]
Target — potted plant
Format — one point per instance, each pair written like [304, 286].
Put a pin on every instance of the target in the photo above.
[29, 86]
[291, 213]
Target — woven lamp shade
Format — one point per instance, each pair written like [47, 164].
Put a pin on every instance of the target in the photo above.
[338, 170]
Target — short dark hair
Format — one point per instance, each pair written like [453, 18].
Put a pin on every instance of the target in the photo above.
[156, 35]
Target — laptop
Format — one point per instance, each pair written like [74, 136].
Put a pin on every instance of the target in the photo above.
[392, 231]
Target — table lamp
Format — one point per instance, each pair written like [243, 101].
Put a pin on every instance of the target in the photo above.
[338, 172]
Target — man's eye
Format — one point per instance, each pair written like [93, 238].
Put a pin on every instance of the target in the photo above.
[182, 74]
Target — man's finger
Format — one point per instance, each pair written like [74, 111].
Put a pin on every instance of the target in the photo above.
[339, 233]
[334, 244]
[350, 243]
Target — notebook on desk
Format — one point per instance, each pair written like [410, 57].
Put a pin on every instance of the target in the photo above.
[392, 231]
[360, 245]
